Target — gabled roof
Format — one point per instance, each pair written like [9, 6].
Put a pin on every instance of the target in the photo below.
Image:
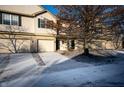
[28, 10]
[25, 10]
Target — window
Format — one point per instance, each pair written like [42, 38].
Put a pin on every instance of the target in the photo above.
[6, 19]
[14, 20]
[10, 19]
[41, 23]
[71, 44]
[44, 23]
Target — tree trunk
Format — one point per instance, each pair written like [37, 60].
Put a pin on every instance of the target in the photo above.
[86, 51]
[85, 47]
[16, 51]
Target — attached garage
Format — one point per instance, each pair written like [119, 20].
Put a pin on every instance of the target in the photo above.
[6, 45]
[24, 46]
[46, 45]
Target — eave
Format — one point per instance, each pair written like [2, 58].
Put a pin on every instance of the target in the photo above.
[22, 14]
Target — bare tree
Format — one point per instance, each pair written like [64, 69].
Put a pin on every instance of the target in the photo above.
[11, 34]
[90, 22]
[117, 27]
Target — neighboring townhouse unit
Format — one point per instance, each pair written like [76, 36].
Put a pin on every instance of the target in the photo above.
[26, 28]
[105, 39]
[23, 28]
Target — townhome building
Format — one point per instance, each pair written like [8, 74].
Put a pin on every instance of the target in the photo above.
[23, 29]
[29, 28]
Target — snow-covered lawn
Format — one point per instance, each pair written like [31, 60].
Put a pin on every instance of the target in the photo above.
[59, 70]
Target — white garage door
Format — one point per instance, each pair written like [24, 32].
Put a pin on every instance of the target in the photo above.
[46, 45]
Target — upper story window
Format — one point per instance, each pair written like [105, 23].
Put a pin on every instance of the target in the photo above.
[6, 19]
[10, 19]
[45, 23]
[41, 23]
[14, 20]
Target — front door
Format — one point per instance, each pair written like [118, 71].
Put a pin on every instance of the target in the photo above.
[34, 46]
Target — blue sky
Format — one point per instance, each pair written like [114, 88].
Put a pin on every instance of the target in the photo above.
[51, 8]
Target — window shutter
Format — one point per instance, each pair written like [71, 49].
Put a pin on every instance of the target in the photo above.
[72, 44]
[20, 21]
[0, 18]
[38, 22]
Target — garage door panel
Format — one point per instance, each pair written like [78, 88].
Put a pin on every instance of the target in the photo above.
[46, 45]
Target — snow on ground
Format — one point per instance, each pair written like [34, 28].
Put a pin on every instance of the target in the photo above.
[61, 71]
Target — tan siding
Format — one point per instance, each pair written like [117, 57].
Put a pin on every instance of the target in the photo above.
[44, 30]
[28, 24]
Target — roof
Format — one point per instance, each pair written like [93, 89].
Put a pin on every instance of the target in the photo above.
[29, 10]
[25, 10]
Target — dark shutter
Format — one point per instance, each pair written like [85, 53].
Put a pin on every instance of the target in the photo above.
[0, 18]
[122, 44]
[38, 22]
[72, 44]
[57, 44]
[20, 21]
